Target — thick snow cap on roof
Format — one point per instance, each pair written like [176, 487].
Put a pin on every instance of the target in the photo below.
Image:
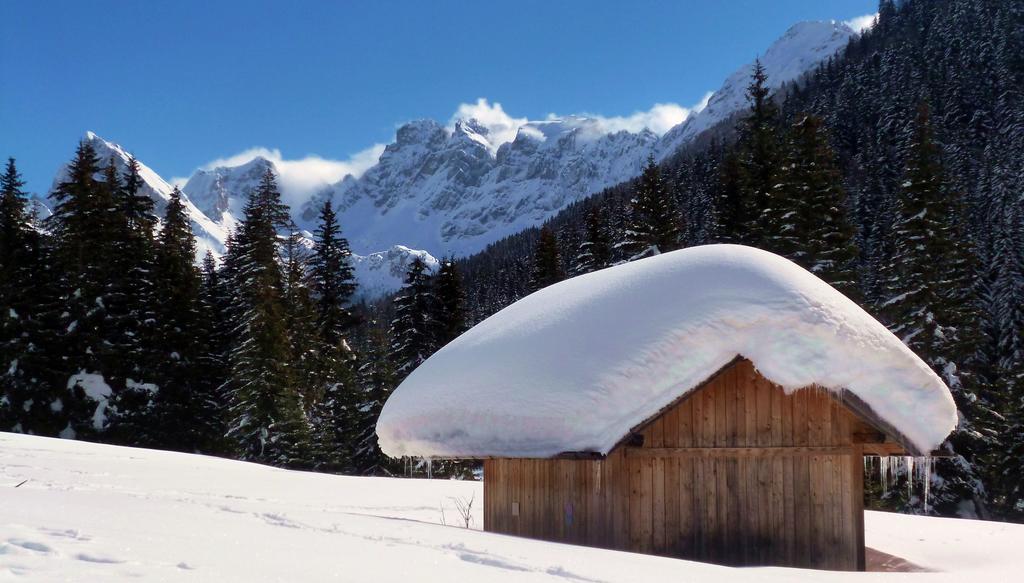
[575, 366]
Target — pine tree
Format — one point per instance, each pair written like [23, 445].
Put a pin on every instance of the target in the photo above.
[654, 225]
[759, 160]
[267, 421]
[131, 354]
[734, 215]
[333, 279]
[184, 390]
[595, 252]
[21, 296]
[74, 325]
[304, 341]
[336, 415]
[450, 306]
[930, 306]
[412, 340]
[214, 334]
[333, 286]
[815, 231]
[547, 264]
[377, 378]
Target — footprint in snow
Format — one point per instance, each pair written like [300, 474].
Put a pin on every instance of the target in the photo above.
[185, 566]
[30, 545]
[66, 533]
[97, 559]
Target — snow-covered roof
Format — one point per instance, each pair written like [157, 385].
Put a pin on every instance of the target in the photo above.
[575, 366]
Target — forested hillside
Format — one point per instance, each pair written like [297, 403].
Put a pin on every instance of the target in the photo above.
[896, 173]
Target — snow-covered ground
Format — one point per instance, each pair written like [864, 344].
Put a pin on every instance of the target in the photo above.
[99, 513]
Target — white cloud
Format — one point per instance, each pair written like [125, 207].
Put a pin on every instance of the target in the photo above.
[501, 127]
[302, 177]
[702, 103]
[659, 119]
[861, 23]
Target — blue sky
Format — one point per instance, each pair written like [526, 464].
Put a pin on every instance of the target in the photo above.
[186, 83]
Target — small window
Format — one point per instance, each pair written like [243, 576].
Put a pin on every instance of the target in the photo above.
[515, 509]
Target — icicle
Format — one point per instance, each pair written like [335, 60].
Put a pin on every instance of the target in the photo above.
[883, 474]
[927, 481]
[908, 464]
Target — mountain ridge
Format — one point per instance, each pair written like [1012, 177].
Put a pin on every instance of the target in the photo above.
[452, 190]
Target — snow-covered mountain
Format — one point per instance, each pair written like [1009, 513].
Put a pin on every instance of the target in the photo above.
[221, 192]
[451, 190]
[802, 48]
[210, 234]
[383, 272]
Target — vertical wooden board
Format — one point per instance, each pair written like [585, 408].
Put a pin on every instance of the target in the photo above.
[847, 536]
[655, 434]
[551, 510]
[751, 486]
[622, 480]
[828, 511]
[594, 514]
[670, 437]
[735, 417]
[687, 519]
[709, 431]
[777, 396]
[789, 507]
[740, 410]
[646, 503]
[729, 515]
[711, 497]
[503, 503]
[722, 398]
[685, 419]
[490, 496]
[801, 509]
[526, 528]
[764, 411]
[779, 529]
[672, 492]
[566, 499]
[818, 549]
[841, 514]
[635, 466]
[787, 419]
[742, 522]
[533, 516]
[764, 510]
[697, 419]
[857, 505]
[658, 505]
[798, 424]
[825, 409]
[700, 522]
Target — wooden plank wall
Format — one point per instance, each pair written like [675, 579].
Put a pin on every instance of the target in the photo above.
[786, 493]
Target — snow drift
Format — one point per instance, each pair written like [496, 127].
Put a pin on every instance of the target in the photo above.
[575, 366]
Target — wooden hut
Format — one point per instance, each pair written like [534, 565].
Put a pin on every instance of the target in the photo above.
[717, 463]
[736, 472]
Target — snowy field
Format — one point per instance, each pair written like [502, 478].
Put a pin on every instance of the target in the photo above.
[99, 513]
